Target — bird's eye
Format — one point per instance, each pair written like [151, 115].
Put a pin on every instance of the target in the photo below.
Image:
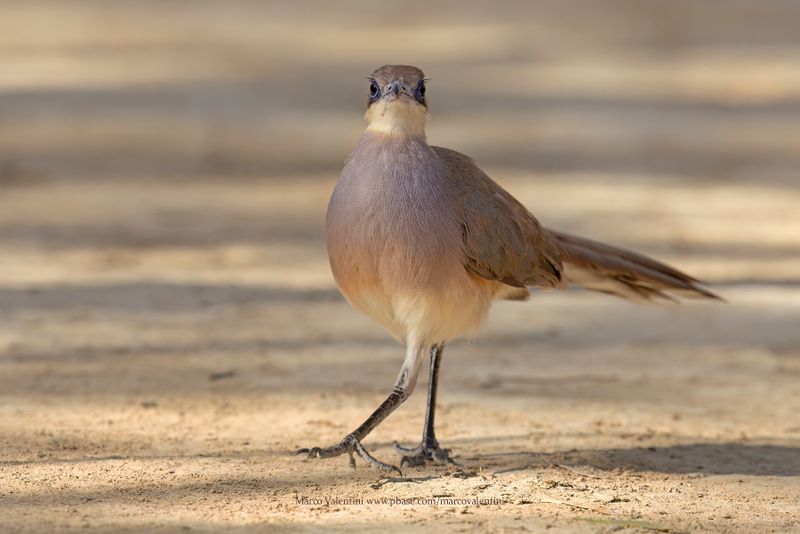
[421, 92]
[374, 92]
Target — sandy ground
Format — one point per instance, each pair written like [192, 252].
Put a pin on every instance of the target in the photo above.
[170, 333]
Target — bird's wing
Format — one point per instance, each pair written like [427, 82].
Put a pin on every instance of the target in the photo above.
[502, 241]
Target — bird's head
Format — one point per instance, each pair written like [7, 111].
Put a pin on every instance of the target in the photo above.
[397, 101]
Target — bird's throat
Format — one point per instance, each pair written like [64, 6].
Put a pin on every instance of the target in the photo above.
[397, 118]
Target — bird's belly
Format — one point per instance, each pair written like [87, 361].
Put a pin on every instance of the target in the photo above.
[416, 295]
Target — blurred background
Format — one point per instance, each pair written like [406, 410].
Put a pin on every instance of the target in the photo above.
[164, 288]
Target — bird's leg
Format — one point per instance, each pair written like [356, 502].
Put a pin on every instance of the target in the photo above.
[351, 443]
[429, 449]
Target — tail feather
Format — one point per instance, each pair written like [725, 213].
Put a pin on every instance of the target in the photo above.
[624, 273]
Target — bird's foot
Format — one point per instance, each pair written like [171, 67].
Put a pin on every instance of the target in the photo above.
[424, 453]
[348, 445]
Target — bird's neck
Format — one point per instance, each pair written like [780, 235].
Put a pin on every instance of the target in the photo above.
[397, 119]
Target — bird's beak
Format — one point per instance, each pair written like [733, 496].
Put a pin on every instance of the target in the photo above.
[394, 90]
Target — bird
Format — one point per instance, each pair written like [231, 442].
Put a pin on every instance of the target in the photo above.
[423, 241]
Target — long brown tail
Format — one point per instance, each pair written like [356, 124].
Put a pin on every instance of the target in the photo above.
[624, 273]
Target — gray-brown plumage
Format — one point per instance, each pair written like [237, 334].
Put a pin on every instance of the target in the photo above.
[422, 240]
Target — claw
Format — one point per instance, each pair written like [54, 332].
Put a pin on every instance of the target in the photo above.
[374, 462]
[403, 450]
[420, 455]
[349, 445]
[310, 453]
